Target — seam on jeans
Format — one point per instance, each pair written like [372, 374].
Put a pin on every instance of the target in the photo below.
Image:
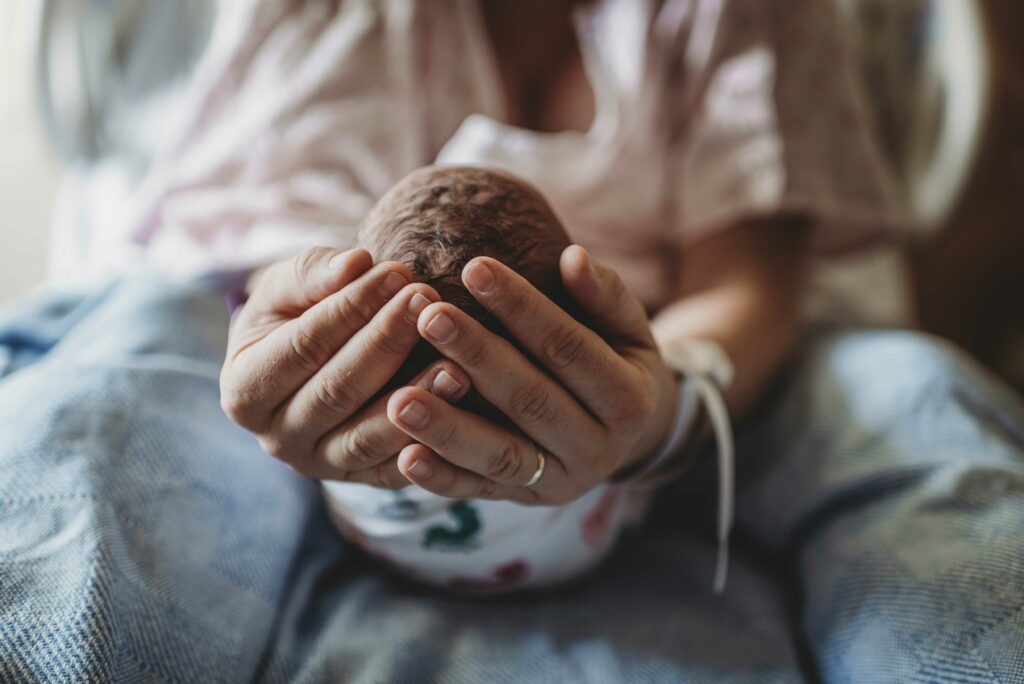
[77, 496]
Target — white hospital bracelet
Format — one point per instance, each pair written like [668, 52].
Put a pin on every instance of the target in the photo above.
[706, 366]
[687, 412]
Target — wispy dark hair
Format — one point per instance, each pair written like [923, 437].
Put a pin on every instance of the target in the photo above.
[438, 218]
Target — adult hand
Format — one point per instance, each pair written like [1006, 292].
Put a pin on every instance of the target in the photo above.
[593, 406]
[321, 334]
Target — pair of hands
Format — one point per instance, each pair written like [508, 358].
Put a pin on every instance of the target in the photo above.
[323, 332]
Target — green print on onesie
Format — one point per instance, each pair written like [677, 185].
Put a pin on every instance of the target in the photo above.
[460, 537]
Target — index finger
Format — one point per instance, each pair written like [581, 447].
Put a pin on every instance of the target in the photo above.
[575, 354]
[259, 377]
[291, 286]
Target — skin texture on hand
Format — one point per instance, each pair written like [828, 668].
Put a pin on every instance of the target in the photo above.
[542, 378]
[312, 354]
[288, 378]
[593, 406]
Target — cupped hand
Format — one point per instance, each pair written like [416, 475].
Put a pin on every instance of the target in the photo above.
[594, 403]
[321, 334]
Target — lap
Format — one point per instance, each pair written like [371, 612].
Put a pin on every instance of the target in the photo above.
[141, 533]
[867, 413]
[889, 475]
[648, 615]
[880, 485]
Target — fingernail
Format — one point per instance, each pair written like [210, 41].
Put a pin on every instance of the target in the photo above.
[414, 414]
[480, 277]
[441, 329]
[421, 469]
[445, 385]
[336, 261]
[392, 283]
[417, 303]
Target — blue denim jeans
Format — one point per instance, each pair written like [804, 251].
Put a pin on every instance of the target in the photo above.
[143, 537]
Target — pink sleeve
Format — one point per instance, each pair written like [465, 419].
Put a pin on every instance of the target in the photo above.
[774, 123]
[300, 116]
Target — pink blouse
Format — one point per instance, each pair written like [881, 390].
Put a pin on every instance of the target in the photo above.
[708, 112]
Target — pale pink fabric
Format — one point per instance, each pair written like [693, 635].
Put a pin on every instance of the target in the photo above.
[708, 112]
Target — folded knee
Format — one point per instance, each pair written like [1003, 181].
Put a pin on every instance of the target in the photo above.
[892, 363]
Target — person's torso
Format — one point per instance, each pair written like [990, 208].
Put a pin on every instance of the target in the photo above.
[610, 185]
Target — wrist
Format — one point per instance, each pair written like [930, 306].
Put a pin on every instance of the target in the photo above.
[690, 362]
[683, 408]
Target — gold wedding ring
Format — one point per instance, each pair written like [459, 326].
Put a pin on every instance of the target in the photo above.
[541, 461]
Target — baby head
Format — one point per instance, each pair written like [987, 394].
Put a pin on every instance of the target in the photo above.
[437, 219]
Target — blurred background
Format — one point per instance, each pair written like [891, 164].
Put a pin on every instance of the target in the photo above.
[29, 171]
[89, 85]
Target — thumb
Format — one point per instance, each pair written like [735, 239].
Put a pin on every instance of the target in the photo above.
[604, 296]
[294, 285]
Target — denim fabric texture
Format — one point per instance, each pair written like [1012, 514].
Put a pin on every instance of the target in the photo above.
[143, 537]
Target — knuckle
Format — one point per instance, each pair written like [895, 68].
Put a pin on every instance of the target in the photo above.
[335, 396]
[632, 404]
[505, 464]
[274, 446]
[306, 263]
[623, 414]
[235, 406]
[475, 352]
[515, 305]
[363, 450]
[353, 309]
[378, 478]
[532, 403]
[338, 476]
[242, 410]
[564, 346]
[304, 468]
[308, 350]
[388, 341]
[306, 461]
[447, 436]
[391, 478]
[485, 489]
[635, 406]
[645, 404]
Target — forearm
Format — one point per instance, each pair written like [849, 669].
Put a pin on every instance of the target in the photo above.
[742, 289]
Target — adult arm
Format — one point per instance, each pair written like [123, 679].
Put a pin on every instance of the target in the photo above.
[742, 288]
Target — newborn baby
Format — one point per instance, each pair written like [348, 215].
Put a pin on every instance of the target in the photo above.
[435, 220]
